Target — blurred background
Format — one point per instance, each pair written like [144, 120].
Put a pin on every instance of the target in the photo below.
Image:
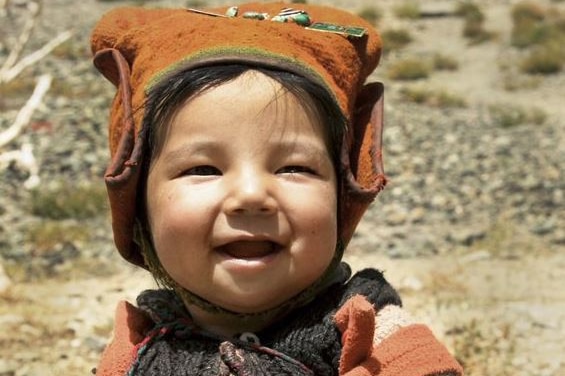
[470, 228]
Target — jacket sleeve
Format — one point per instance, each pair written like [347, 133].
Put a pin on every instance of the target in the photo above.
[400, 350]
[129, 328]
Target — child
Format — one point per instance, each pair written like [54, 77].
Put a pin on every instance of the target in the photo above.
[245, 149]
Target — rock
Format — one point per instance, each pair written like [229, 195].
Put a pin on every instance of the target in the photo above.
[466, 236]
[411, 283]
[8, 367]
[475, 256]
[544, 227]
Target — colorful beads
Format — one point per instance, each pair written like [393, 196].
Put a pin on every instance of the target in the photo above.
[290, 15]
[299, 17]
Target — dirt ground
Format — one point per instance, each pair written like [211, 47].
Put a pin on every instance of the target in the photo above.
[498, 306]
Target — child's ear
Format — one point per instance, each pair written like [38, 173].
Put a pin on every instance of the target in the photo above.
[362, 161]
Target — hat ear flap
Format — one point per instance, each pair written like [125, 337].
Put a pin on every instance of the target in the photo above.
[121, 176]
[111, 63]
[363, 172]
[365, 154]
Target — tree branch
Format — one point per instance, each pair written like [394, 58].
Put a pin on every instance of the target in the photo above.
[25, 34]
[34, 57]
[26, 112]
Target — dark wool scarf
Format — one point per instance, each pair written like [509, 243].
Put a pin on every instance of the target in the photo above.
[306, 342]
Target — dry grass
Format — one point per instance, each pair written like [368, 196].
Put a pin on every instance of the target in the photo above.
[528, 26]
[432, 97]
[545, 59]
[407, 10]
[507, 115]
[48, 236]
[474, 18]
[443, 62]
[483, 349]
[395, 39]
[540, 30]
[409, 69]
[416, 68]
[71, 50]
[67, 201]
[372, 14]
[14, 93]
[514, 82]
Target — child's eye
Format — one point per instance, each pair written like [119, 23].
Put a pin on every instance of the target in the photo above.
[203, 171]
[296, 170]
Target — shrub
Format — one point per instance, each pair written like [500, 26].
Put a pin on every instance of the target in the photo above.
[408, 9]
[513, 82]
[196, 3]
[442, 62]
[544, 59]
[529, 33]
[530, 25]
[67, 201]
[395, 39]
[509, 115]
[474, 17]
[409, 69]
[469, 10]
[16, 90]
[70, 50]
[543, 32]
[371, 14]
[476, 342]
[433, 98]
[474, 31]
[48, 235]
[527, 11]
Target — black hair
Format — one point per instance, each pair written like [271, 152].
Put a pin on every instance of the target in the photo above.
[167, 96]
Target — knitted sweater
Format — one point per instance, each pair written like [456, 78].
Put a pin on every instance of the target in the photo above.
[354, 329]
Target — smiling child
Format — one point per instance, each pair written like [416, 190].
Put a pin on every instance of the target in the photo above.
[245, 148]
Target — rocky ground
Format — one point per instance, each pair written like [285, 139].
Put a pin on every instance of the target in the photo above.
[470, 229]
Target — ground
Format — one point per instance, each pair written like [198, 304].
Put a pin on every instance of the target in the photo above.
[469, 230]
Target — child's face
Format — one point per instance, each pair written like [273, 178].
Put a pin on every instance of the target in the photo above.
[241, 196]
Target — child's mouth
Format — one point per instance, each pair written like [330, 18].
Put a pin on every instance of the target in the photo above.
[249, 249]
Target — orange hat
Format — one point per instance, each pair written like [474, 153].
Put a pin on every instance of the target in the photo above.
[135, 47]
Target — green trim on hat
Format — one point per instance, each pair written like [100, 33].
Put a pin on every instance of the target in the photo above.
[248, 55]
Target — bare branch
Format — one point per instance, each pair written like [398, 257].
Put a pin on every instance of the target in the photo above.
[26, 112]
[25, 160]
[25, 34]
[34, 57]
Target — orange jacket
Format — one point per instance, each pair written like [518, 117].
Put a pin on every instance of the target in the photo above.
[410, 350]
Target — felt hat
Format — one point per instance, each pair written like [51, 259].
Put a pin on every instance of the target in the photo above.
[135, 47]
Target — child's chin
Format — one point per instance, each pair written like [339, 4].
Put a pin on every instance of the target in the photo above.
[263, 303]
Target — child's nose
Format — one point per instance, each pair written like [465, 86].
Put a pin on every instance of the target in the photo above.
[249, 193]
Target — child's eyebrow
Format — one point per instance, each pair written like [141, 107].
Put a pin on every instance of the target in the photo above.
[308, 149]
[190, 148]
